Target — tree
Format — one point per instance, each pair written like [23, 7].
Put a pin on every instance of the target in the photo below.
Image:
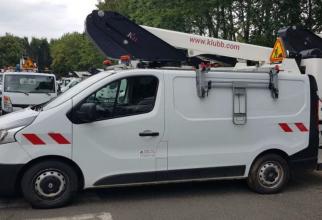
[73, 51]
[251, 21]
[11, 50]
[39, 51]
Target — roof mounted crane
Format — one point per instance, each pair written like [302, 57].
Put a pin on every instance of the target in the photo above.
[197, 45]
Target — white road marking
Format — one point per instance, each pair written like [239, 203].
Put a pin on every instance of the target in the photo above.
[91, 216]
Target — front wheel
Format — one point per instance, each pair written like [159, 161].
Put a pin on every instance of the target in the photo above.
[49, 184]
[269, 174]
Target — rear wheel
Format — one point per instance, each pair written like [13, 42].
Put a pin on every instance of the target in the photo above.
[269, 174]
[49, 184]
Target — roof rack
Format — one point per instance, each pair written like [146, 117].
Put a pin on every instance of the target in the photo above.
[204, 86]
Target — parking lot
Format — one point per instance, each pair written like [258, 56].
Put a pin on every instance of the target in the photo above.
[302, 199]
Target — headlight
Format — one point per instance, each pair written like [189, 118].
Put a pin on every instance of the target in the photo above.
[8, 135]
[10, 127]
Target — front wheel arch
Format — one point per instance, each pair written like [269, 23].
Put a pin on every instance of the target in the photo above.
[66, 160]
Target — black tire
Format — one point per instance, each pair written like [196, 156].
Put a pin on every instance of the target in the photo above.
[49, 184]
[269, 174]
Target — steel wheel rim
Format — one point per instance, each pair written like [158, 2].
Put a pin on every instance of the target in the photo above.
[270, 174]
[50, 184]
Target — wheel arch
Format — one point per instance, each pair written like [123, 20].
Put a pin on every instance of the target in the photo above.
[66, 160]
[279, 152]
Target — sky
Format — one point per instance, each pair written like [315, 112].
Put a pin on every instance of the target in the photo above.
[43, 18]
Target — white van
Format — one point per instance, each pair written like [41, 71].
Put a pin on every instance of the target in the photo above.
[144, 126]
[20, 90]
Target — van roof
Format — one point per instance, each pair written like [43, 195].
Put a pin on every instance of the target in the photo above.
[28, 73]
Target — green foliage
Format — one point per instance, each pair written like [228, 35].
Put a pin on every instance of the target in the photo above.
[11, 50]
[74, 51]
[252, 21]
[39, 51]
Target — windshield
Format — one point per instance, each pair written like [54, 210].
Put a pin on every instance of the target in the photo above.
[76, 89]
[29, 84]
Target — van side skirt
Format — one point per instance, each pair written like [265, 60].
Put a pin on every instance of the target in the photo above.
[173, 175]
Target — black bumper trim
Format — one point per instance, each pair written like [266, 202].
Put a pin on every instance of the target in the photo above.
[304, 164]
[9, 174]
[173, 175]
[20, 106]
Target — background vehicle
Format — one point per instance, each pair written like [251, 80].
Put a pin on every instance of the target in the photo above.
[20, 90]
[72, 82]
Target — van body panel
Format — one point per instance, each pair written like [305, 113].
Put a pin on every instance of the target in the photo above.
[53, 130]
[201, 132]
[313, 66]
[13, 153]
[115, 145]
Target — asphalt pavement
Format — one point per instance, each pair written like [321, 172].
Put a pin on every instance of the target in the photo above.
[228, 199]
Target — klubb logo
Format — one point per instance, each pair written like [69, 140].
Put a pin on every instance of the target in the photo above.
[213, 43]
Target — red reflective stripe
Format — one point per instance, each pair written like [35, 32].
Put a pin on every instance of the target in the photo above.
[301, 127]
[60, 139]
[285, 127]
[34, 139]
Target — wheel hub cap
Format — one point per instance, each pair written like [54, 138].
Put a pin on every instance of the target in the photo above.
[50, 184]
[270, 174]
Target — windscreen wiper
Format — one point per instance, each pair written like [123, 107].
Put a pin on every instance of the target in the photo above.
[26, 93]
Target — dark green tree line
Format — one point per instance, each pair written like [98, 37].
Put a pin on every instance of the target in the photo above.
[251, 21]
[73, 51]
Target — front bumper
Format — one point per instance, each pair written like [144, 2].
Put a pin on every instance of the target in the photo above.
[8, 178]
[12, 159]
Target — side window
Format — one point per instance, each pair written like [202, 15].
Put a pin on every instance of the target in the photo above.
[125, 97]
[136, 96]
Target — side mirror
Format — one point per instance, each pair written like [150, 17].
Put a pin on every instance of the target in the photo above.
[86, 113]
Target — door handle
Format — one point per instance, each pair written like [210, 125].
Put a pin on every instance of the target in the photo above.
[148, 133]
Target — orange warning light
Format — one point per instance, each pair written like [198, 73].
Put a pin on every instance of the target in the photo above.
[107, 62]
[278, 53]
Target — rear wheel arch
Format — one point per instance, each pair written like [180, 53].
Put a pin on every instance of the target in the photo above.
[65, 160]
[269, 172]
[281, 153]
